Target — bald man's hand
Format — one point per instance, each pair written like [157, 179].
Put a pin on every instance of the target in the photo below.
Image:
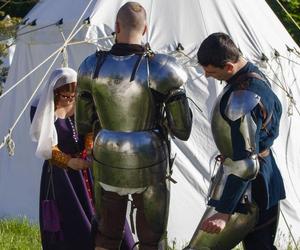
[215, 224]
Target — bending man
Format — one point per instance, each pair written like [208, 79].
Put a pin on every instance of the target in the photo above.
[245, 193]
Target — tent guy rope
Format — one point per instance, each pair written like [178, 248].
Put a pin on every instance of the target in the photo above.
[7, 138]
[38, 66]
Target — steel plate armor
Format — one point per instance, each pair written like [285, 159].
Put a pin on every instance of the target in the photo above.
[239, 106]
[131, 148]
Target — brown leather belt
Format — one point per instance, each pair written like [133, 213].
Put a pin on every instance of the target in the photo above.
[264, 153]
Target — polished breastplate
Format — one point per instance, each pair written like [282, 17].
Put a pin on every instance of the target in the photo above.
[129, 150]
[121, 94]
[221, 130]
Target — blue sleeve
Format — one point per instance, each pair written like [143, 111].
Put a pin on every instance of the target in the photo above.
[270, 133]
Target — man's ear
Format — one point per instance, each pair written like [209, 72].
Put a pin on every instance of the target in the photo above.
[229, 67]
[145, 29]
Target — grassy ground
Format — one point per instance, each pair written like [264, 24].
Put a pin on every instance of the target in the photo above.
[19, 234]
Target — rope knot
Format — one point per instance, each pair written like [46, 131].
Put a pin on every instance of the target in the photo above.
[10, 144]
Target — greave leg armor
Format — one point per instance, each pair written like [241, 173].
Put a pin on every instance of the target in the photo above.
[152, 214]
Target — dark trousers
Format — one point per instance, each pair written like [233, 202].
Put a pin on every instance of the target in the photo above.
[112, 219]
[263, 235]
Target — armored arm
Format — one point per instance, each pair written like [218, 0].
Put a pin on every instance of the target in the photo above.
[242, 166]
[167, 78]
[85, 114]
[179, 115]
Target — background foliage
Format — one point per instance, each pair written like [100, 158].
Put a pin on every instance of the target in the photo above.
[293, 8]
[11, 14]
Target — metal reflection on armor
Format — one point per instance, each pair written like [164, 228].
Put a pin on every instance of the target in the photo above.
[176, 107]
[241, 102]
[130, 159]
[239, 106]
[138, 101]
[130, 149]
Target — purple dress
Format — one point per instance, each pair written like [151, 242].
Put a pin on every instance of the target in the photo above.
[75, 208]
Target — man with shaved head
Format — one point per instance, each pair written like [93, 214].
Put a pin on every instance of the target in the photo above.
[131, 18]
[137, 98]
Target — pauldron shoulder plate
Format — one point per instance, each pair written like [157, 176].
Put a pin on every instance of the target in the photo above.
[165, 73]
[87, 67]
[240, 103]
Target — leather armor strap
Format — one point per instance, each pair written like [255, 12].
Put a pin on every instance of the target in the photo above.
[264, 153]
[136, 67]
[246, 76]
[101, 56]
[242, 79]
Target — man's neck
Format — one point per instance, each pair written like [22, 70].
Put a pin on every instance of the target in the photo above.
[239, 65]
[236, 68]
[129, 40]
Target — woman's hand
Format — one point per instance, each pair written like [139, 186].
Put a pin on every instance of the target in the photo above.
[78, 164]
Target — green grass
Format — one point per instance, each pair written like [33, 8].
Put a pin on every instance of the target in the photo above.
[19, 234]
[282, 242]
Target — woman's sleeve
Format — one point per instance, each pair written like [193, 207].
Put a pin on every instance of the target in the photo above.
[59, 158]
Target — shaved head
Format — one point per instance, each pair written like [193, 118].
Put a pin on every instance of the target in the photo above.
[132, 17]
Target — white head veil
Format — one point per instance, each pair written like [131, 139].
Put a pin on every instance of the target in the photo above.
[42, 129]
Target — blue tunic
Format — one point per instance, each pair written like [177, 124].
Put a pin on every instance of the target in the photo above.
[267, 188]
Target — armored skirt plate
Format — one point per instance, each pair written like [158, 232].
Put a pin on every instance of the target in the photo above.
[130, 159]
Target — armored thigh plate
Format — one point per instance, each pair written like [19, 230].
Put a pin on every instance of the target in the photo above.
[238, 226]
[156, 206]
[239, 106]
[130, 159]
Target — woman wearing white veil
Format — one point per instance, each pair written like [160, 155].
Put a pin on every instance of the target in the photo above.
[66, 207]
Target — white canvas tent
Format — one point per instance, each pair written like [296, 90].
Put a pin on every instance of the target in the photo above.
[252, 25]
